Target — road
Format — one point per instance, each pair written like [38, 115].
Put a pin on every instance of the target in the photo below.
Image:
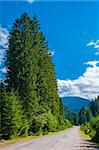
[66, 140]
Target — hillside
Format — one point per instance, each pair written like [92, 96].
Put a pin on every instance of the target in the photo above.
[74, 103]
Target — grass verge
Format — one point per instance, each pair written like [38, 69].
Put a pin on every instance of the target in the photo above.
[85, 135]
[88, 137]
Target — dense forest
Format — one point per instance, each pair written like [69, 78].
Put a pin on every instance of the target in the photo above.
[72, 116]
[29, 101]
[89, 120]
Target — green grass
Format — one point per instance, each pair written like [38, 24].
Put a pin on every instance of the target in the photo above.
[85, 135]
[17, 139]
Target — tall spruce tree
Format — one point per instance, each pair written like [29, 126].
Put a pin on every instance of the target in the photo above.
[22, 65]
[46, 82]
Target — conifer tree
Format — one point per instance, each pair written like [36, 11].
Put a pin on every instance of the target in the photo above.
[22, 65]
[46, 81]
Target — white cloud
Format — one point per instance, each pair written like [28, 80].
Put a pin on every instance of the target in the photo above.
[3, 36]
[95, 45]
[3, 43]
[91, 43]
[86, 86]
[92, 63]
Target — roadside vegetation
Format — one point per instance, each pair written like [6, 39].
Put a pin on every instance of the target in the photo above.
[87, 118]
[90, 121]
[73, 117]
[29, 100]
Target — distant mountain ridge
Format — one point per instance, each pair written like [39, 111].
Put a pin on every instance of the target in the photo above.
[74, 103]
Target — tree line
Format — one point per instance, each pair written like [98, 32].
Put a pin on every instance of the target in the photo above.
[29, 101]
[89, 120]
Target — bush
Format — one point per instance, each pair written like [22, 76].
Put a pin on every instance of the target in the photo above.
[44, 123]
[92, 128]
[96, 136]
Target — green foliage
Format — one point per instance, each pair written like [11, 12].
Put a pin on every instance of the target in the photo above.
[90, 121]
[22, 65]
[86, 128]
[94, 106]
[30, 103]
[63, 120]
[19, 121]
[5, 113]
[96, 136]
[92, 128]
[71, 116]
[85, 115]
[12, 118]
[51, 124]
[44, 123]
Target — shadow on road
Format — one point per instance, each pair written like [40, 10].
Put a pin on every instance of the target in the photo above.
[87, 145]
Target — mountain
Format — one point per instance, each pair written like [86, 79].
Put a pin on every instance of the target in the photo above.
[74, 103]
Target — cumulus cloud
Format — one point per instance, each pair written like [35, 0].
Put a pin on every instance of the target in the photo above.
[3, 42]
[92, 63]
[95, 45]
[3, 35]
[86, 86]
[3, 46]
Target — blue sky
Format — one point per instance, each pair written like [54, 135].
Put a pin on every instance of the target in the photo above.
[72, 32]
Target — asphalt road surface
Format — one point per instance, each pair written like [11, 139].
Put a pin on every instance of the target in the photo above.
[66, 140]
